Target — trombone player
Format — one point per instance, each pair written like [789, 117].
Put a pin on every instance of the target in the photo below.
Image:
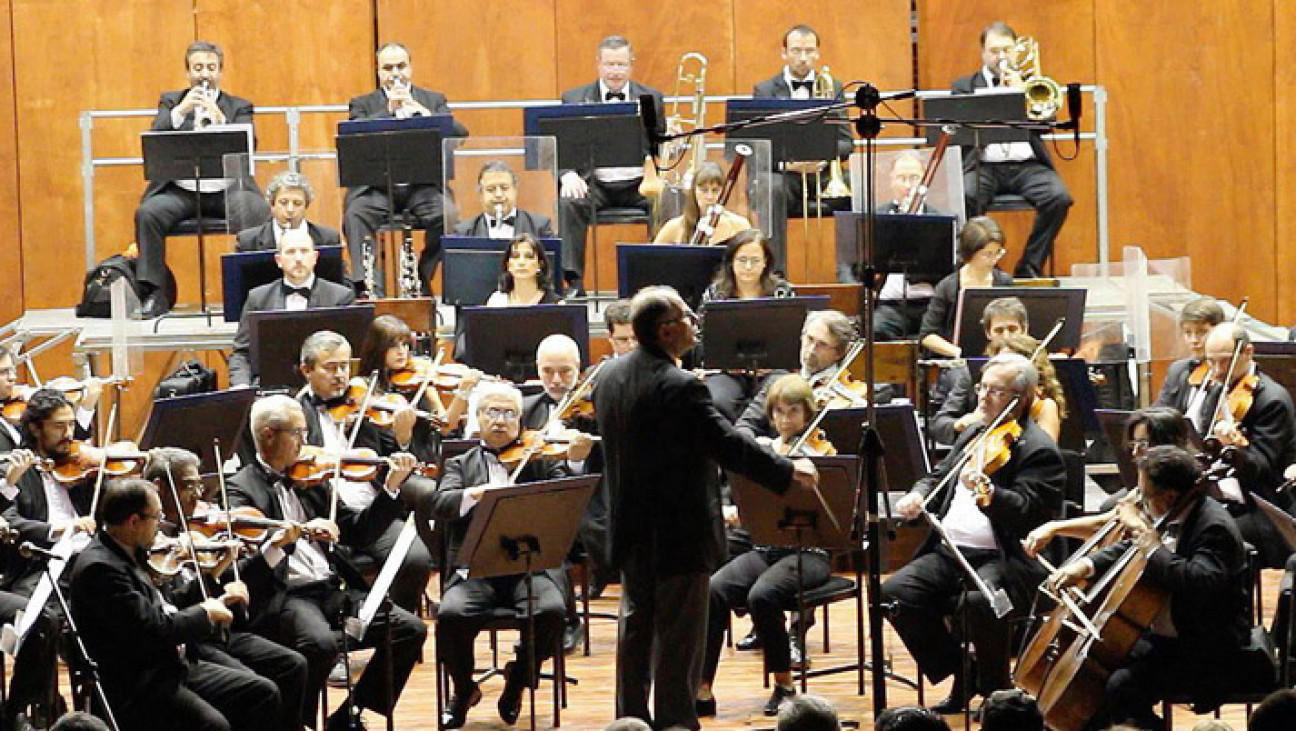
[798, 79]
[1019, 168]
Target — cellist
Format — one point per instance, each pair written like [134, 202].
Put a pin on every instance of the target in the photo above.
[1193, 646]
[1014, 498]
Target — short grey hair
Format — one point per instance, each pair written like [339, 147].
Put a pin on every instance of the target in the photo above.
[612, 43]
[808, 713]
[391, 44]
[272, 412]
[838, 324]
[168, 459]
[496, 166]
[489, 389]
[1026, 378]
[290, 180]
[323, 341]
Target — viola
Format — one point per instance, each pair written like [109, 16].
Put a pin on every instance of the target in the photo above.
[83, 460]
[314, 465]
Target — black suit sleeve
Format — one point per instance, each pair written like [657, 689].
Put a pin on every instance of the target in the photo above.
[449, 493]
[125, 612]
[730, 448]
[753, 422]
[1035, 491]
[240, 360]
[943, 300]
[960, 401]
[1271, 433]
[167, 102]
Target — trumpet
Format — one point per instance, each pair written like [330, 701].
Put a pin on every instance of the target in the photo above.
[1043, 95]
[690, 72]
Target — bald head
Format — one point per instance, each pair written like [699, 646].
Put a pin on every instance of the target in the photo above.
[558, 363]
[1224, 339]
[296, 255]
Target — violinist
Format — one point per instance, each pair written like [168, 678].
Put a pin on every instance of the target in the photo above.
[1050, 406]
[1254, 424]
[83, 395]
[986, 514]
[326, 365]
[467, 603]
[1197, 556]
[620, 332]
[137, 638]
[954, 397]
[10, 390]
[242, 649]
[1186, 381]
[764, 580]
[302, 610]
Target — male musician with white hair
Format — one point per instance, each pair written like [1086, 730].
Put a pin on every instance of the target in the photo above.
[986, 525]
[290, 194]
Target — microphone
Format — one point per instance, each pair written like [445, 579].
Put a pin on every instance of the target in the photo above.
[648, 115]
[29, 550]
[1074, 109]
[867, 97]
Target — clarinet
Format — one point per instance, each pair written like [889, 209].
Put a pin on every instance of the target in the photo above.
[409, 279]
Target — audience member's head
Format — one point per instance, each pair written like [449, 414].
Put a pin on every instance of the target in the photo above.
[629, 723]
[1211, 724]
[79, 721]
[808, 713]
[910, 718]
[1011, 710]
[1276, 713]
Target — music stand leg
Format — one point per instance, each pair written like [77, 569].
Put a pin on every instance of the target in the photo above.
[92, 668]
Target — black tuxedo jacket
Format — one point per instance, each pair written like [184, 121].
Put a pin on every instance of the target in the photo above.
[271, 297]
[374, 106]
[662, 439]
[1270, 426]
[29, 515]
[254, 485]
[466, 471]
[1028, 493]
[126, 627]
[526, 223]
[589, 94]
[776, 87]
[236, 109]
[261, 238]
[969, 85]
[1175, 389]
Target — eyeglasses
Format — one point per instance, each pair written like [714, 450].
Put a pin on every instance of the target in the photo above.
[10, 371]
[1138, 444]
[996, 391]
[750, 261]
[300, 432]
[995, 256]
[495, 413]
[688, 315]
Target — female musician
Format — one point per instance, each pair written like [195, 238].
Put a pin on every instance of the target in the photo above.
[980, 246]
[707, 185]
[524, 275]
[764, 580]
[1049, 408]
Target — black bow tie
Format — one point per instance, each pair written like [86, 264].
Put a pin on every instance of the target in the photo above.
[330, 402]
[807, 85]
[288, 289]
[618, 95]
[497, 222]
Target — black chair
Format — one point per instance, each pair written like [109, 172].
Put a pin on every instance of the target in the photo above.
[1004, 202]
[189, 227]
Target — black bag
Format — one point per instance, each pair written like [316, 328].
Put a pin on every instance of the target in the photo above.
[190, 378]
[96, 294]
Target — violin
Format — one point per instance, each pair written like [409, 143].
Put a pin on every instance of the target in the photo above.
[412, 377]
[994, 451]
[382, 411]
[1199, 374]
[314, 465]
[812, 442]
[249, 523]
[82, 460]
[15, 406]
[531, 443]
[168, 556]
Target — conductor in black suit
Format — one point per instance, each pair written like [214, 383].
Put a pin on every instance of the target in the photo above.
[662, 440]
[203, 104]
[368, 207]
[290, 194]
[500, 217]
[299, 289]
[796, 81]
[1020, 168]
[584, 190]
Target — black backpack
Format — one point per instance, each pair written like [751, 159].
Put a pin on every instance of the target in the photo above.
[96, 294]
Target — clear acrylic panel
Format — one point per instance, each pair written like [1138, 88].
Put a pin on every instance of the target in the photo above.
[898, 171]
[532, 160]
[244, 202]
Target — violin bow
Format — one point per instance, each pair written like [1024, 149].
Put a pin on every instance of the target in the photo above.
[184, 527]
[225, 503]
[1221, 404]
[103, 462]
[1057, 328]
[422, 389]
[350, 442]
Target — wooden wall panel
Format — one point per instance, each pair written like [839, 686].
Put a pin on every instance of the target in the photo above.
[1193, 124]
[11, 253]
[1285, 152]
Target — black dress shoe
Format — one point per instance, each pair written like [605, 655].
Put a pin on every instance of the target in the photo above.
[341, 720]
[155, 305]
[751, 642]
[957, 702]
[780, 696]
[573, 635]
[456, 712]
[705, 708]
[510, 700]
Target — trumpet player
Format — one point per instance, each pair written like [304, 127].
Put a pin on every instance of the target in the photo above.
[368, 207]
[1018, 168]
[165, 204]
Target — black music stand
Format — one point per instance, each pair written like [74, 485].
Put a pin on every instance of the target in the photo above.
[472, 267]
[191, 422]
[277, 337]
[791, 141]
[689, 269]
[919, 247]
[522, 530]
[988, 106]
[193, 156]
[1044, 305]
[242, 271]
[503, 340]
[751, 335]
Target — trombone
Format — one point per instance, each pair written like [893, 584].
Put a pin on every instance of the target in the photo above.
[690, 72]
[824, 88]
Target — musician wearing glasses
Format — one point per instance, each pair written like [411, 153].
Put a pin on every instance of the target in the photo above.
[985, 513]
[708, 186]
[1018, 168]
[290, 194]
[584, 190]
[981, 245]
[497, 184]
[367, 207]
[954, 397]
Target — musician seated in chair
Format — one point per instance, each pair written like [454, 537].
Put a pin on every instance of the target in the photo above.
[708, 185]
[954, 397]
[290, 194]
[500, 217]
[467, 603]
[985, 513]
[1196, 554]
[1187, 380]
[524, 275]
[764, 580]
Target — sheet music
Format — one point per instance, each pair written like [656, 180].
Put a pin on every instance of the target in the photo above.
[11, 637]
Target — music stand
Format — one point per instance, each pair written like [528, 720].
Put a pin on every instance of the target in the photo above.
[503, 340]
[242, 271]
[689, 269]
[191, 422]
[521, 530]
[1278, 361]
[792, 141]
[552, 248]
[277, 337]
[1044, 305]
[756, 334]
[995, 105]
[194, 156]
[920, 247]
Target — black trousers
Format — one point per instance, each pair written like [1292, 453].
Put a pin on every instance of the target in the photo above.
[576, 214]
[1158, 667]
[303, 624]
[211, 697]
[255, 654]
[412, 578]
[35, 669]
[159, 213]
[932, 588]
[899, 319]
[661, 639]
[765, 582]
[369, 210]
[1040, 185]
[466, 606]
